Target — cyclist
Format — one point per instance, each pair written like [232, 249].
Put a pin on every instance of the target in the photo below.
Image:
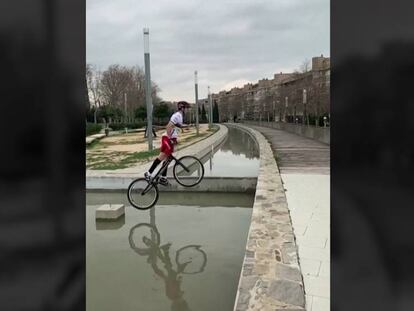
[168, 140]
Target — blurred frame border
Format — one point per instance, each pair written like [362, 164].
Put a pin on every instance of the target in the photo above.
[42, 167]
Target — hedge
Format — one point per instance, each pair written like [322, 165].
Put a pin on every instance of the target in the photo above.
[92, 128]
[121, 126]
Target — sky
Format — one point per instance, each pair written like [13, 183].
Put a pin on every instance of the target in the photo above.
[230, 43]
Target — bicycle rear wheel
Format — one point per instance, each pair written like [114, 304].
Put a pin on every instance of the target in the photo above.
[188, 171]
[142, 194]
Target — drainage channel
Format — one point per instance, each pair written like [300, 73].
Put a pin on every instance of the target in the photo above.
[186, 255]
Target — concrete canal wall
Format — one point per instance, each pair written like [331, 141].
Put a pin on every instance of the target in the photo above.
[271, 278]
[209, 184]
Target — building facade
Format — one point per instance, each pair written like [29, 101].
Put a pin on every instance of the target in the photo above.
[288, 97]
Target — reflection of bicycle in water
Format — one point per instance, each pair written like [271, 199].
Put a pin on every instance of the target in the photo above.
[145, 240]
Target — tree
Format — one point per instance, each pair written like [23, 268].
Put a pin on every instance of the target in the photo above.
[161, 111]
[115, 81]
[87, 101]
[203, 114]
[215, 113]
[109, 112]
[93, 80]
[141, 113]
[305, 66]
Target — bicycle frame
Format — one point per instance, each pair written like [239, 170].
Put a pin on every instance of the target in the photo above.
[164, 167]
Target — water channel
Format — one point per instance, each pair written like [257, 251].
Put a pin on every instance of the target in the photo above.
[184, 254]
[237, 156]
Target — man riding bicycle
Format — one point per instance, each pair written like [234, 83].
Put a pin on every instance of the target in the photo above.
[168, 140]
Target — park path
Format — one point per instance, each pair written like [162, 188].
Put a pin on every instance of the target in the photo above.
[304, 165]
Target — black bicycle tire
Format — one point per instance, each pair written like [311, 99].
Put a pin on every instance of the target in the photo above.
[139, 250]
[132, 201]
[198, 248]
[178, 179]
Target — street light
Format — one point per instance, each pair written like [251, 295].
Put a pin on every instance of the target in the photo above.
[304, 104]
[148, 98]
[210, 123]
[286, 107]
[196, 98]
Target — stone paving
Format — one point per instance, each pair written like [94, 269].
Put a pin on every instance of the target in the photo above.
[271, 278]
[297, 154]
[304, 166]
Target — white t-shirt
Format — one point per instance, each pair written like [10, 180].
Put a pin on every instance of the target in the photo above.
[177, 118]
[174, 133]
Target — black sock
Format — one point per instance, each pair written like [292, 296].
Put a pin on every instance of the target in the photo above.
[154, 165]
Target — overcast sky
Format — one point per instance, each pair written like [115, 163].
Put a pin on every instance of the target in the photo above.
[229, 43]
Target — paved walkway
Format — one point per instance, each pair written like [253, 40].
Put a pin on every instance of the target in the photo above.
[304, 166]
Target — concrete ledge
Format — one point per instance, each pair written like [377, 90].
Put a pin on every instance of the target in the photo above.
[271, 278]
[208, 184]
[110, 211]
[90, 139]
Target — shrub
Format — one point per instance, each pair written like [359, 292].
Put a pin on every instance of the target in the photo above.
[121, 126]
[92, 128]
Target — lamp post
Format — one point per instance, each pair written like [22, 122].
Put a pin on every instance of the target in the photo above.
[286, 107]
[196, 98]
[305, 117]
[148, 98]
[210, 121]
[125, 108]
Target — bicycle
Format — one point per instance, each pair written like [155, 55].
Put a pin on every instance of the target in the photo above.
[188, 171]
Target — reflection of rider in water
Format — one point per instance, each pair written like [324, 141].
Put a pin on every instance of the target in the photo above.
[172, 279]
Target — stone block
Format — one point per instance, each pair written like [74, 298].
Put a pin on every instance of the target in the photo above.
[110, 211]
[287, 291]
[288, 273]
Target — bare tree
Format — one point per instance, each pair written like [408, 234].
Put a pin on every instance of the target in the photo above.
[305, 66]
[93, 79]
[114, 84]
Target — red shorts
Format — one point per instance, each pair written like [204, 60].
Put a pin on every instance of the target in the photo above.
[166, 146]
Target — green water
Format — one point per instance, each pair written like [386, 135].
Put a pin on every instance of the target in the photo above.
[186, 255]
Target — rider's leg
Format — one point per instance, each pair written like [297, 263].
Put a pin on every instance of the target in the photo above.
[162, 156]
[163, 179]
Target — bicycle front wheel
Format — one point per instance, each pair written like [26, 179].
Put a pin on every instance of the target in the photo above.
[143, 238]
[188, 171]
[142, 194]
